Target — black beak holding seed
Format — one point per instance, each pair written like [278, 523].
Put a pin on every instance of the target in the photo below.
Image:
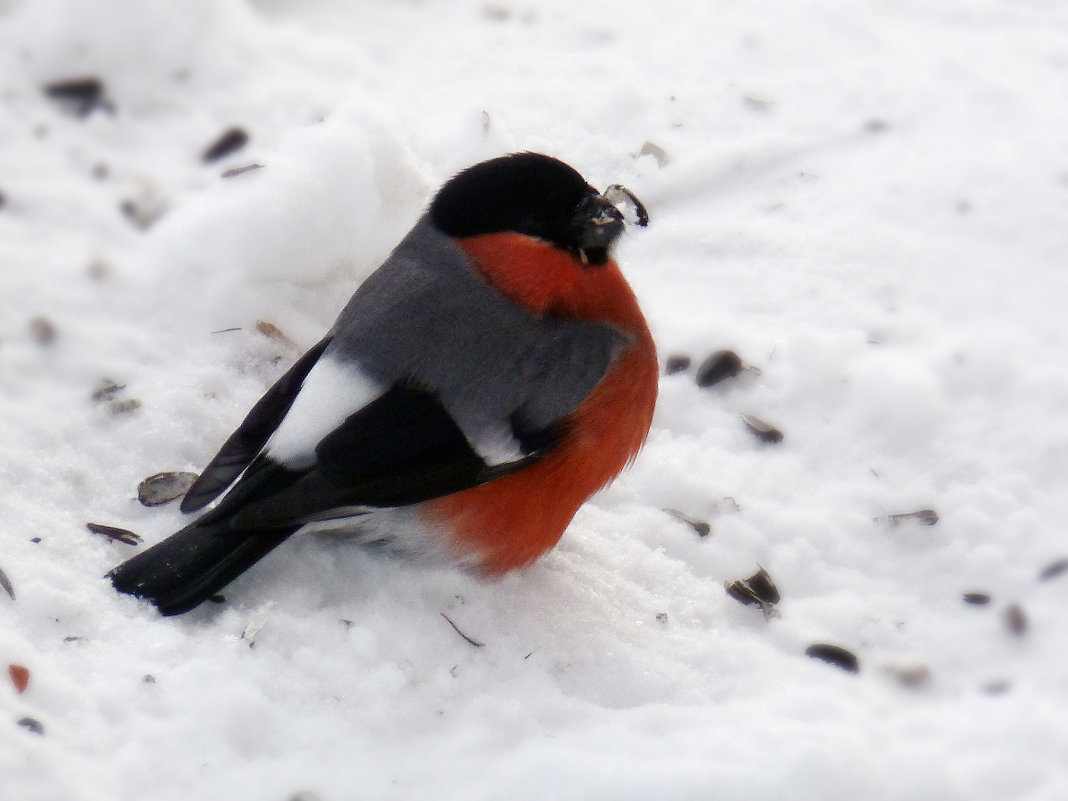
[598, 223]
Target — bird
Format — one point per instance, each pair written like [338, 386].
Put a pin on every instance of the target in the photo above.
[477, 388]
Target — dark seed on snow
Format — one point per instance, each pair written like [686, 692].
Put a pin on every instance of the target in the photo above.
[230, 141]
[1015, 619]
[720, 366]
[32, 725]
[758, 589]
[143, 212]
[976, 598]
[925, 517]
[42, 330]
[762, 430]
[79, 96]
[912, 676]
[5, 582]
[114, 533]
[702, 528]
[107, 391]
[1053, 569]
[163, 488]
[835, 655]
[677, 364]
[763, 587]
[233, 172]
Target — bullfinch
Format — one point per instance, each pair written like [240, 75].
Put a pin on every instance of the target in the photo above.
[477, 388]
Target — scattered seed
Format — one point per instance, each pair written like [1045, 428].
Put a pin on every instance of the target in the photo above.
[115, 534]
[75, 638]
[79, 97]
[976, 598]
[496, 13]
[143, 212]
[272, 331]
[678, 363]
[230, 141]
[657, 152]
[1053, 569]
[925, 517]
[913, 676]
[124, 406]
[32, 725]
[662, 618]
[35, 540]
[20, 677]
[720, 366]
[456, 628]
[148, 678]
[835, 655]
[233, 172]
[99, 269]
[996, 687]
[42, 330]
[702, 528]
[5, 582]
[757, 590]
[764, 588]
[617, 194]
[162, 488]
[1015, 619]
[107, 391]
[762, 430]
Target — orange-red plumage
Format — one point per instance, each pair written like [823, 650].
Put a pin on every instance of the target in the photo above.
[436, 415]
[510, 522]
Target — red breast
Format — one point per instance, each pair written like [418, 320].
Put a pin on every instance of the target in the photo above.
[509, 522]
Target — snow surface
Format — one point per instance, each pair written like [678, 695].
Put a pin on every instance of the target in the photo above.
[868, 201]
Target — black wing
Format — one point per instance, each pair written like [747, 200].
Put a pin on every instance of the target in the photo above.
[238, 452]
[400, 449]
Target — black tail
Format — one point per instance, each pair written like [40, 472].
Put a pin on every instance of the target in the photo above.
[190, 566]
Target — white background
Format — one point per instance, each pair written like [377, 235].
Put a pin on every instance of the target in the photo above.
[868, 201]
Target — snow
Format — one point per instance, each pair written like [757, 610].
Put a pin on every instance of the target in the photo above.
[866, 201]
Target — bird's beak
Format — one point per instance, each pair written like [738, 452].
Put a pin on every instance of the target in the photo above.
[596, 224]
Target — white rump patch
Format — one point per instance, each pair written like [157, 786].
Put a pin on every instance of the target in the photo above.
[496, 445]
[331, 392]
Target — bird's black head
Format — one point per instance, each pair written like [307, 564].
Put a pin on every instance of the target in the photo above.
[531, 194]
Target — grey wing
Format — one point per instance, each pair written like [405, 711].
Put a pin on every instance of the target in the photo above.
[505, 375]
